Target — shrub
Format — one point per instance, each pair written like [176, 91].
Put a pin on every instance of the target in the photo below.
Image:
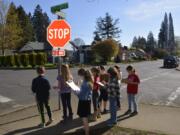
[17, 60]
[5, 61]
[160, 53]
[41, 59]
[32, 59]
[25, 59]
[10, 61]
[1, 61]
[45, 58]
[106, 49]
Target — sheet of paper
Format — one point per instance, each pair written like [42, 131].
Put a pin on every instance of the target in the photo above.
[73, 86]
[100, 83]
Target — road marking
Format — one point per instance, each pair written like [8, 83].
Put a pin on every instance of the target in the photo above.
[4, 99]
[173, 96]
[149, 78]
[154, 76]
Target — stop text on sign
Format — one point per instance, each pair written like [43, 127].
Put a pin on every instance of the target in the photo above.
[58, 33]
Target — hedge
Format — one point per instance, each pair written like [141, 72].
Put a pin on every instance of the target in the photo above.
[10, 61]
[1, 61]
[32, 59]
[17, 60]
[41, 59]
[24, 59]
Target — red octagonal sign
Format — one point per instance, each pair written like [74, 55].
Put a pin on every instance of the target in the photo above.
[58, 33]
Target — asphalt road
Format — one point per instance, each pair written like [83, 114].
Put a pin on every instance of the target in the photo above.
[158, 86]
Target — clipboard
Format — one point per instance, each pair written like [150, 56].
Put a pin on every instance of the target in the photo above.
[73, 86]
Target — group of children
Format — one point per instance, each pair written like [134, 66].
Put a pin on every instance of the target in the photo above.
[97, 86]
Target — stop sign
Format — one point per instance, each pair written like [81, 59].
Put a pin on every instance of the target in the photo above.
[58, 33]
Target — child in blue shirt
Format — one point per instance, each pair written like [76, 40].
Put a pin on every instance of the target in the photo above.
[85, 95]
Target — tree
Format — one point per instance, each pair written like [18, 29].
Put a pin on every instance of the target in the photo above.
[4, 5]
[106, 49]
[161, 36]
[26, 25]
[96, 38]
[166, 30]
[151, 43]
[40, 22]
[46, 22]
[135, 42]
[107, 27]
[141, 43]
[171, 40]
[13, 29]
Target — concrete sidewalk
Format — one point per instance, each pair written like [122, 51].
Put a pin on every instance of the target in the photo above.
[151, 118]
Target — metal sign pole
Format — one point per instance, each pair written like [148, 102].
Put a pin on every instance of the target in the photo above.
[57, 10]
[59, 73]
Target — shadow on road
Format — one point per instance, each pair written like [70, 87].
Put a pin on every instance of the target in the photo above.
[25, 118]
[61, 128]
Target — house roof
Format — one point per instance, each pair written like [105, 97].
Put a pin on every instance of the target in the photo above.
[33, 46]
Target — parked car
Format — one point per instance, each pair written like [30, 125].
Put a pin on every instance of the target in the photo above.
[171, 62]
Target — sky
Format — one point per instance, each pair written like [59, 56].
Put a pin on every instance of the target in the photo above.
[136, 17]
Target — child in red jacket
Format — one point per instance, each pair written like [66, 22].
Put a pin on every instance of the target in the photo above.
[132, 90]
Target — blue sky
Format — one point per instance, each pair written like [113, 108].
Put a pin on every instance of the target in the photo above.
[137, 17]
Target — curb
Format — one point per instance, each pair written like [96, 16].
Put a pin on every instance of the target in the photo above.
[17, 110]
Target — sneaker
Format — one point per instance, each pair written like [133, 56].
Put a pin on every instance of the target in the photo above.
[49, 122]
[99, 116]
[41, 125]
[92, 118]
[134, 113]
[127, 112]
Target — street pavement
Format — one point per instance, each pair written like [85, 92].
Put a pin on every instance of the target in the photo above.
[158, 119]
[159, 86]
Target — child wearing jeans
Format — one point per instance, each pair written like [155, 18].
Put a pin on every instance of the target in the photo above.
[85, 95]
[95, 93]
[113, 93]
[132, 90]
[120, 78]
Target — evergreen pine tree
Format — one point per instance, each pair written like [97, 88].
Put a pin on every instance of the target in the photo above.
[150, 44]
[40, 22]
[161, 37]
[135, 42]
[166, 30]
[171, 40]
[26, 25]
[141, 43]
[96, 38]
[107, 27]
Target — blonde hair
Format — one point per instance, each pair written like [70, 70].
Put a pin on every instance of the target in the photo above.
[89, 78]
[65, 72]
